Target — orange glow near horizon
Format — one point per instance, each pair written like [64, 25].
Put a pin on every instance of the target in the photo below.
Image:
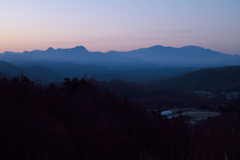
[119, 25]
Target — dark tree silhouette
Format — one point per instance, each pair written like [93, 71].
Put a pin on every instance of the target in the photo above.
[76, 120]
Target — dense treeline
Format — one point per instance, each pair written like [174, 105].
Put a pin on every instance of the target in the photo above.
[161, 97]
[76, 120]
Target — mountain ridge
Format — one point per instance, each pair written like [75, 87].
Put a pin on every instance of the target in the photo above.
[142, 65]
[184, 56]
[151, 47]
[151, 57]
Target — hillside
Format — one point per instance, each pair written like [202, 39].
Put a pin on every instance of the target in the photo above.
[224, 79]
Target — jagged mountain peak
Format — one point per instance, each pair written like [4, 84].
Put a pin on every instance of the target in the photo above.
[192, 47]
[81, 49]
[50, 49]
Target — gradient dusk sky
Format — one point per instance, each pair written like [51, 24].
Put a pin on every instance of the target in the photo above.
[103, 25]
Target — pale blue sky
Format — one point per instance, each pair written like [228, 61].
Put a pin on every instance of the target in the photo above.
[119, 24]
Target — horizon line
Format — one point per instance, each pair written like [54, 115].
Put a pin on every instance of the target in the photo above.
[114, 50]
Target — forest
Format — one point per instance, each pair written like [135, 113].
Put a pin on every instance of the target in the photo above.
[81, 119]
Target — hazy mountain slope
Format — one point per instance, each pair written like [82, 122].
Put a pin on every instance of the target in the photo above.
[234, 61]
[42, 74]
[213, 79]
[9, 70]
[48, 71]
[145, 75]
[68, 69]
[32, 72]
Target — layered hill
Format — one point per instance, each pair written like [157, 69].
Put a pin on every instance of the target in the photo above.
[48, 71]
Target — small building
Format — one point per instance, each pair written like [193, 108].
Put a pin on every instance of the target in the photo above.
[166, 114]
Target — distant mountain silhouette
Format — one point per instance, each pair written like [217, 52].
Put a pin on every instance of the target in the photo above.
[78, 55]
[186, 56]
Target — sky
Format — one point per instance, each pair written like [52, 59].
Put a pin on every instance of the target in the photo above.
[122, 25]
